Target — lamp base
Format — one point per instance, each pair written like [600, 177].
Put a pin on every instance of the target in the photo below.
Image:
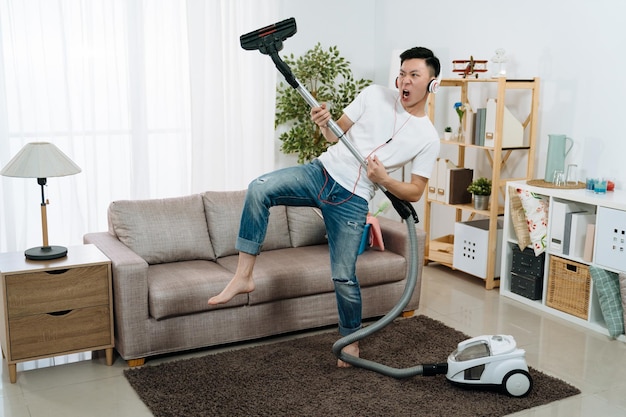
[43, 253]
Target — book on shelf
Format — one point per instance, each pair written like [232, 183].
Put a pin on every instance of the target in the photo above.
[569, 232]
[578, 233]
[470, 127]
[479, 130]
[558, 217]
[512, 135]
[448, 183]
[458, 179]
[589, 238]
[490, 123]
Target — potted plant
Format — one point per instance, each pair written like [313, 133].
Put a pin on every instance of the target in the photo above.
[447, 133]
[481, 188]
[327, 76]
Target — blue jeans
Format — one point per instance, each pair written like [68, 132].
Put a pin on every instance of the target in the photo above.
[344, 216]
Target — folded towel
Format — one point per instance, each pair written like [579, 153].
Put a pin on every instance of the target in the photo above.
[372, 235]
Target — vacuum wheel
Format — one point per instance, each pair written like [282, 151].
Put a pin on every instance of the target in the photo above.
[517, 383]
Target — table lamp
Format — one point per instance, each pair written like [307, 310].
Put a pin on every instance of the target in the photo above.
[41, 160]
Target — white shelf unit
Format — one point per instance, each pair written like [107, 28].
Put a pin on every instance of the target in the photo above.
[598, 203]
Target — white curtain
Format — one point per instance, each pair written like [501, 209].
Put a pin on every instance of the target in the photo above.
[151, 98]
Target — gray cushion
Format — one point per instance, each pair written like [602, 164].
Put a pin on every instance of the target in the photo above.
[177, 289]
[163, 230]
[223, 214]
[298, 272]
[306, 227]
[622, 290]
[606, 284]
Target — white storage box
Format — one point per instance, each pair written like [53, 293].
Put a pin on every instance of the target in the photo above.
[610, 246]
[471, 241]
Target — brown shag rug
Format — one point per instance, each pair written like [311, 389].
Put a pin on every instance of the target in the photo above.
[299, 377]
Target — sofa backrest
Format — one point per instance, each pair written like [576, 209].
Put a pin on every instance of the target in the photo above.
[306, 226]
[204, 226]
[163, 230]
[223, 213]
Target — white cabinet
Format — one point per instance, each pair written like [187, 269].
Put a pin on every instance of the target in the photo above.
[609, 247]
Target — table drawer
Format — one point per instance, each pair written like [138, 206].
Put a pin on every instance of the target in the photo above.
[51, 334]
[57, 290]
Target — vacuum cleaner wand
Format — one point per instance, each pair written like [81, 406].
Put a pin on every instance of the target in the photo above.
[269, 41]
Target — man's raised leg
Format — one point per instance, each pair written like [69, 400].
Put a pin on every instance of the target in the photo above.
[241, 283]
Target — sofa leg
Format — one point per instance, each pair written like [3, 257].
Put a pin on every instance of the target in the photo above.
[136, 362]
[409, 313]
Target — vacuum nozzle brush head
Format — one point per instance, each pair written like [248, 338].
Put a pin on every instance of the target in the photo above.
[269, 40]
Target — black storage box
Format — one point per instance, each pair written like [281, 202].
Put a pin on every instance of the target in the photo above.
[527, 286]
[526, 263]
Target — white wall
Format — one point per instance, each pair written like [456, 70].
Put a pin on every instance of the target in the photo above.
[575, 47]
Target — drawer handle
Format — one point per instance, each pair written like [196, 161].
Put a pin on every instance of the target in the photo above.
[57, 271]
[60, 313]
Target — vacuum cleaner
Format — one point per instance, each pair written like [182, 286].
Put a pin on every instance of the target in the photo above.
[484, 361]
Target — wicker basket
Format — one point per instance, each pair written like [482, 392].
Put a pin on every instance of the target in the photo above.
[569, 284]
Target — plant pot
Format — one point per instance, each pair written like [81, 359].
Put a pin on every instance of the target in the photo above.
[447, 135]
[481, 202]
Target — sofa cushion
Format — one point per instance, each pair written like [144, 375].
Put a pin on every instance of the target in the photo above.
[622, 291]
[606, 285]
[536, 208]
[306, 227]
[223, 213]
[180, 288]
[298, 272]
[162, 230]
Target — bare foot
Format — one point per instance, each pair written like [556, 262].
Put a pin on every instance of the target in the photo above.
[241, 283]
[237, 285]
[351, 349]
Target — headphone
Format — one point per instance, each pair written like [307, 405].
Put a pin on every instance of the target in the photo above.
[433, 85]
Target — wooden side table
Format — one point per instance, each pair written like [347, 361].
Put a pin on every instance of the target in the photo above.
[55, 307]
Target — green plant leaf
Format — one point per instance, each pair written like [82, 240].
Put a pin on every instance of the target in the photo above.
[327, 76]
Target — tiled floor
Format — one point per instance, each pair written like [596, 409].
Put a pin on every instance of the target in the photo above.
[581, 357]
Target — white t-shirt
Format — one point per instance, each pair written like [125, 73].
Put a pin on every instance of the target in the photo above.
[379, 116]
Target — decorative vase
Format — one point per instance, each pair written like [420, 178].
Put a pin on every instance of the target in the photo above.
[459, 133]
[481, 202]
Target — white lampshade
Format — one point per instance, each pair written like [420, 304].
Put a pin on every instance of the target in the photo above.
[40, 160]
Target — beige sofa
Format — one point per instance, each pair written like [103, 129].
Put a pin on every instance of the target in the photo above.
[170, 255]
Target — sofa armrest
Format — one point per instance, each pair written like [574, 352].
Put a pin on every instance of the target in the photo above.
[395, 238]
[130, 292]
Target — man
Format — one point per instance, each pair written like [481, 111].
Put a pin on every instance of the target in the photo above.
[389, 128]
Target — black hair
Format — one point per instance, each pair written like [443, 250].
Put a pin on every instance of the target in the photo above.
[422, 53]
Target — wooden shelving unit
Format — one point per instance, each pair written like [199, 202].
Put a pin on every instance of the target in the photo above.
[497, 156]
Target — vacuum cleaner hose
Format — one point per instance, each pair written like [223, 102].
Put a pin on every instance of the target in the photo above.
[411, 281]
